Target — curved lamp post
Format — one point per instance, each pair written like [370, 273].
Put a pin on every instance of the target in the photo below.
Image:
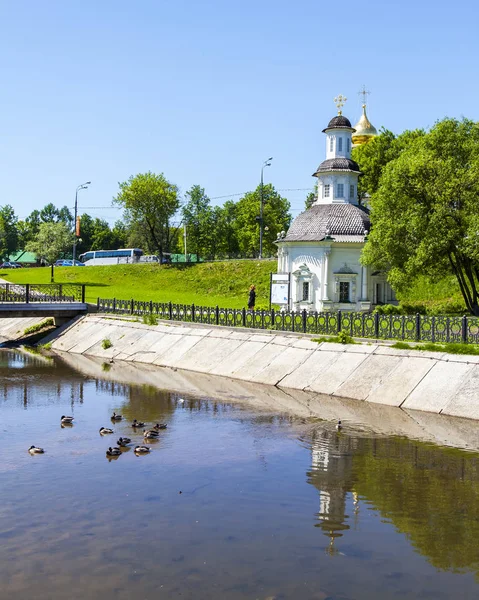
[82, 186]
[267, 163]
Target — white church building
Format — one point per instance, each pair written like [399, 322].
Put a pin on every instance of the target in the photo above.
[322, 248]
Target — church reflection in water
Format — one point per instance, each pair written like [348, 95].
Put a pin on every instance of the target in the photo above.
[331, 473]
[429, 493]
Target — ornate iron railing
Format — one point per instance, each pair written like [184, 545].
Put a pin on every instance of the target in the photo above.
[357, 324]
[42, 292]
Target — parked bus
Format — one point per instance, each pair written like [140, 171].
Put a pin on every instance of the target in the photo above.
[111, 257]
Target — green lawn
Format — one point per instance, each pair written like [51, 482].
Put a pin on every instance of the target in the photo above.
[225, 284]
[440, 297]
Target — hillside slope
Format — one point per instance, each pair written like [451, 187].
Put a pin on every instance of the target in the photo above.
[225, 284]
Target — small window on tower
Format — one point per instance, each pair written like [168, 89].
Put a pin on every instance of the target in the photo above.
[331, 142]
[340, 144]
[347, 145]
[326, 190]
[305, 297]
[340, 190]
[351, 191]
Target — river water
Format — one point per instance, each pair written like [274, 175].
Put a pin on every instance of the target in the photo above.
[232, 502]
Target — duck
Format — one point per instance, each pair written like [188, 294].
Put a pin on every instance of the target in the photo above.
[181, 400]
[113, 451]
[142, 450]
[137, 423]
[66, 420]
[115, 417]
[105, 430]
[339, 425]
[159, 426]
[35, 450]
[122, 442]
[150, 434]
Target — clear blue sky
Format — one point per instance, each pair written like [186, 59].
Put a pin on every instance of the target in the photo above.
[206, 91]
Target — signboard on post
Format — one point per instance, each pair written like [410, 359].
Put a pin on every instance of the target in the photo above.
[279, 289]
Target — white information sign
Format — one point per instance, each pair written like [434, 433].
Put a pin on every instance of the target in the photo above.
[279, 293]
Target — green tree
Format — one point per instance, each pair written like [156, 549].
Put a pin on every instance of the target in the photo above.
[276, 217]
[424, 215]
[49, 214]
[227, 230]
[311, 197]
[376, 154]
[149, 202]
[197, 215]
[8, 231]
[51, 241]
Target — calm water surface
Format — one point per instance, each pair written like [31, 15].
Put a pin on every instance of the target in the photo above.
[270, 506]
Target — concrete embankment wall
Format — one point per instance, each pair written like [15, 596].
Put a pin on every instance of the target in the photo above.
[410, 379]
[12, 329]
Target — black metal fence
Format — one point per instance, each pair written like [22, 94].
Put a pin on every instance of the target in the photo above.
[357, 324]
[42, 292]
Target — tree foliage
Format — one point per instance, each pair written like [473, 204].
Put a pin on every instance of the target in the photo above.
[149, 202]
[425, 218]
[198, 218]
[51, 241]
[8, 231]
[276, 217]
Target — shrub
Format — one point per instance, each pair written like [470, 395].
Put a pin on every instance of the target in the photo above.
[150, 319]
[412, 309]
[106, 344]
[39, 326]
[388, 309]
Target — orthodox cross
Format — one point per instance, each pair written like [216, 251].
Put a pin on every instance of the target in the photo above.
[339, 101]
[364, 93]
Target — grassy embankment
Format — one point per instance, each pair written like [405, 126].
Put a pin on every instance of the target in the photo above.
[225, 284]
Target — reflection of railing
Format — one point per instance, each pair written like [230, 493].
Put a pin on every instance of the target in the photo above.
[42, 292]
[357, 324]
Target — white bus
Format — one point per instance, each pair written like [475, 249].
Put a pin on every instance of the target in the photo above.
[111, 257]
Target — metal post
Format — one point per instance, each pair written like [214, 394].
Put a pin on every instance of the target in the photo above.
[266, 163]
[74, 252]
[83, 186]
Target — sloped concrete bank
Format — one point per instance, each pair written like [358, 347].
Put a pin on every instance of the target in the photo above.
[12, 329]
[433, 382]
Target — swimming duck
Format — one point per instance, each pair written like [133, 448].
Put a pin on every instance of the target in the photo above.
[105, 430]
[123, 442]
[159, 426]
[115, 417]
[142, 450]
[150, 434]
[339, 426]
[137, 423]
[113, 451]
[66, 420]
[35, 450]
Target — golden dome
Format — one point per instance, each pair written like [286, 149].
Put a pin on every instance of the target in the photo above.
[364, 130]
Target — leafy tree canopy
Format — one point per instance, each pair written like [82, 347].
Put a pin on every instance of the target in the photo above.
[149, 202]
[198, 217]
[276, 217]
[51, 241]
[8, 231]
[425, 219]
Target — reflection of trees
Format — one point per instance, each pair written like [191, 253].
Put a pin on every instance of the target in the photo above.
[429, 493]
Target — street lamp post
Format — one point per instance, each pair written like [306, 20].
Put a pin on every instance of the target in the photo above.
[82, 186]
[267, 163]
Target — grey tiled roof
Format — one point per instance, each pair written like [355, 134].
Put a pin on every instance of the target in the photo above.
[343, 222]
[337, 164]
[339, 122]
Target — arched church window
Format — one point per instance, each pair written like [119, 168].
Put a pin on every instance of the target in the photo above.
[344, 291]
[340, 144]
